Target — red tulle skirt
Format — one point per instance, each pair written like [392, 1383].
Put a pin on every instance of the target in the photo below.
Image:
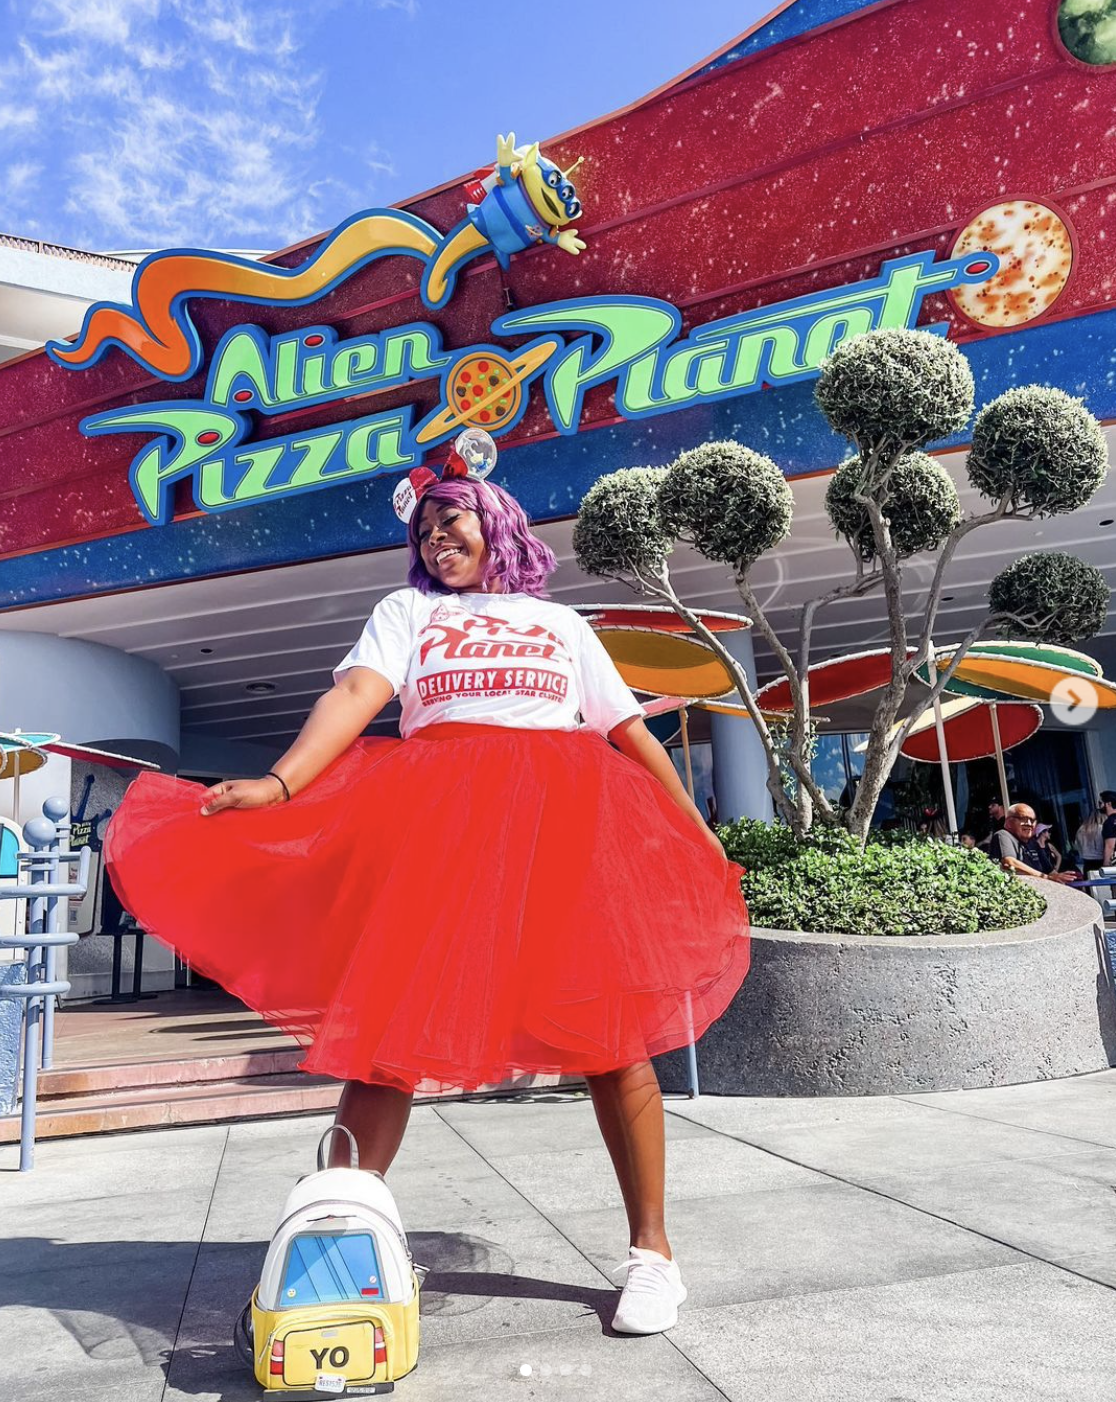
[451, 910]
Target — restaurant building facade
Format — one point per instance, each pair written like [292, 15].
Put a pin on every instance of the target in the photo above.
[197, 494]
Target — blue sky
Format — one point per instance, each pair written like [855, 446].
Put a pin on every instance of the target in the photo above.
[247, 124]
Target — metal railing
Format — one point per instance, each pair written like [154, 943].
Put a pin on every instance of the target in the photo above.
[49, 868]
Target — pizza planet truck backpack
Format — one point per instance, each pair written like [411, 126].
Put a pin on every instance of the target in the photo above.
[336, 1312]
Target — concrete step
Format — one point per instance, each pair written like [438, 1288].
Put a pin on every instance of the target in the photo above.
[122, 1077]
[161, 1105]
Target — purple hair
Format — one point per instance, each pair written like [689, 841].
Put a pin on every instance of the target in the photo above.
[517, 558]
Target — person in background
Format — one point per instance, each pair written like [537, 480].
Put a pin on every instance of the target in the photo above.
[968, 841]
[1015, 848]
[1089, 840]
[1108, 828]
[996, 818]
[1049, 856]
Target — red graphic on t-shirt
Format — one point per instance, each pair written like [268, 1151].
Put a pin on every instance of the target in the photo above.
[489, 640]
[496, 681]
[463, 637]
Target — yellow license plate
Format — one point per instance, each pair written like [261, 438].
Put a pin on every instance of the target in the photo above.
[344, 1350]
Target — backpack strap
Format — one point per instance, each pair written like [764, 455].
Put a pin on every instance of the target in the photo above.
[354, 1158]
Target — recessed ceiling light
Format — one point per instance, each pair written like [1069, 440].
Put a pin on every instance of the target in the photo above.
[260, 688]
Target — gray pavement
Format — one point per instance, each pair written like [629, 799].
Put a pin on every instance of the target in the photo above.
[916, 1249]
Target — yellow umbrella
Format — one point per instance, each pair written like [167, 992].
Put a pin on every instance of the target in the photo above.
[1004, 677]
[665, 664]
[656, 652]
[19, 755]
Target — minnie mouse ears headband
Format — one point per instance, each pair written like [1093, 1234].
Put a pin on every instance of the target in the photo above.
[473, 456]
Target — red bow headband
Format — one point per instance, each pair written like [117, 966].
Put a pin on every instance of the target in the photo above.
[473, 456]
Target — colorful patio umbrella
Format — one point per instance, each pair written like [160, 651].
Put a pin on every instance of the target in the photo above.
[659, 617]
[90, 755]
[656, 652]
[1004, 670]
[968, 731]
[838, 679]
[22, 752]
[1014, 671]
[965, 728]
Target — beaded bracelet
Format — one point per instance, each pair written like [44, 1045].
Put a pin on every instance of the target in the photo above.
[271, 774]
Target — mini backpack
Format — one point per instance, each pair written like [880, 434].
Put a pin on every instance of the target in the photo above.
[336, 1312]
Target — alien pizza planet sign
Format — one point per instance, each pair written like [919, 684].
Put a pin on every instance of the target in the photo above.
[630, 342]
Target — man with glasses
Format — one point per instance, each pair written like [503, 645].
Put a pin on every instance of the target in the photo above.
[1015, 848]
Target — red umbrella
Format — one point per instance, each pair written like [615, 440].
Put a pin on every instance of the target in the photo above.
[93, 756]
[968, 732]
[838, 679]
[658, 618]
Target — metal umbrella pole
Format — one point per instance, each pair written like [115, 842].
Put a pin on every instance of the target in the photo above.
[691, 1047]
[1005, 797]
[943, 756]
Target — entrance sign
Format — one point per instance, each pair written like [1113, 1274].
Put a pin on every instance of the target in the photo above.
[632, 342]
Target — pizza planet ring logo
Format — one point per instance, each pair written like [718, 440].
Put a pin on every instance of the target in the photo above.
[633, 343]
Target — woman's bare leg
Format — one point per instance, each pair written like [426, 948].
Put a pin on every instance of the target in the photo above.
[630, 1113]
[377, 1117]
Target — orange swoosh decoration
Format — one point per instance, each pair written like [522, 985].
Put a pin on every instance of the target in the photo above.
[157, 331]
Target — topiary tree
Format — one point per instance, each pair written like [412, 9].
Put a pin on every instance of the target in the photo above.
[1050, 597]
[1035, 452]
[730, 503]
[620, 526]
[919, 500]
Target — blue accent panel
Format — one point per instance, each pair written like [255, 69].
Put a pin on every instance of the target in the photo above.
[549, 478]
[797, 19]
[326, 1270]
[11, 1024]
[9, 850]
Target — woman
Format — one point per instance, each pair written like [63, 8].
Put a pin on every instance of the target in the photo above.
[1051, 858]
[499, 892]
[1089, 841]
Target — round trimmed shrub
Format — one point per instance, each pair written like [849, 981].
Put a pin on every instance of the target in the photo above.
[895, 389]
[898, 885]
[918, 499]
[619, 526]
[1041, 448]
[731, 503]
[1050, 597]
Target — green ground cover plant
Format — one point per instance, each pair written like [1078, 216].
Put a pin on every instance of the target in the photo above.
[896, 885]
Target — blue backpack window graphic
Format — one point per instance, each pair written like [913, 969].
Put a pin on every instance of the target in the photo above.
[324, 1268]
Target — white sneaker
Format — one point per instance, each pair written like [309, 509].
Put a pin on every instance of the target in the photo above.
[651, 1295]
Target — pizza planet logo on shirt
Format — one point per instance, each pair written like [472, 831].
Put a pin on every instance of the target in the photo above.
[459, 637]
[487, 639]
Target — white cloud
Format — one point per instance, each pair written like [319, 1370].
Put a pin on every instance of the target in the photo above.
[168, 122]
[108, 21]
[16, 120]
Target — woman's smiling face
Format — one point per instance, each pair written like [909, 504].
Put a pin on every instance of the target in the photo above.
[452, 545]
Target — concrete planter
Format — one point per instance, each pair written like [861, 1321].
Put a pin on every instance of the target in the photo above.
[854, 1015]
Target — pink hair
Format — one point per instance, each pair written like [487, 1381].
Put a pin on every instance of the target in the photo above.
[516, 557]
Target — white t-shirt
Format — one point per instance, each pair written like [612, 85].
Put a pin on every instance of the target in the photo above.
[491, 659]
